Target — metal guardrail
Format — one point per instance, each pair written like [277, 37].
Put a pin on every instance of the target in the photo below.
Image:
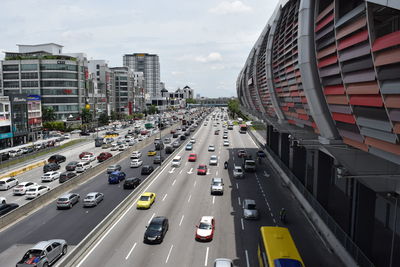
[340, 234]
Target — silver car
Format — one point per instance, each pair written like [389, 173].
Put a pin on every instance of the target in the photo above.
[93, 199]
[217, 186]
[213, 160]
[250, 210]
[44, 253]
[238, 172]
[67, 200]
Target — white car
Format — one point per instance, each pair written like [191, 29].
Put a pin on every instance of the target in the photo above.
[23, 187]
[136, 163]
[15, 153]
[3, 200]
[136, 154]
[213, 160]
[7, 183]
[114, 147]
[67, 136]
[141, 138]
[211, 148]
[35, 191]
[226, 143]
[88, 157]
[50, 176]
[193, 141]
[122, 147]
[132, 142]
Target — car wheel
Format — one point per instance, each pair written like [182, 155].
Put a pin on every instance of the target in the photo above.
[64, 250]
[70, 205]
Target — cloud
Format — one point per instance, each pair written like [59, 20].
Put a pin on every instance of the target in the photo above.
[212, 57]
[233, 7]
[176, 73]
[218, 67]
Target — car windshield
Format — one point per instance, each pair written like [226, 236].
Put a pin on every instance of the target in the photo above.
[213, 157]
[204, 226]
[217, 183]
[144, 198]
[202, 167]
[63, 199]
[250, 163]
[155, 227]
[89, 197]
[238, 170]
[251, 206]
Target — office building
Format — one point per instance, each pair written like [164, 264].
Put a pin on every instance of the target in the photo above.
[102, 93]
[324, 76]
[124, 84]
[5, 122]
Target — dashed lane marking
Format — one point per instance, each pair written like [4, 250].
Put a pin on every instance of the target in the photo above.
[169, 253]
[130, 251]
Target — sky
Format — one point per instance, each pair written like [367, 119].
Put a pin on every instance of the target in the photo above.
[203, 44]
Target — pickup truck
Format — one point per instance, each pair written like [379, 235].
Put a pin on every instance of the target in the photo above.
[44, 253]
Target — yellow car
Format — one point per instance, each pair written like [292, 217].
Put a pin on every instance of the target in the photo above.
[151, 153]
[146, 200]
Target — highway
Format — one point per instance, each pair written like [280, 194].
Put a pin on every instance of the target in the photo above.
[184, 197]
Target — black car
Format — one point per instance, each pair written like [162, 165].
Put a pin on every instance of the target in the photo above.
[65, 176]
[71, 166]
[56, 159]
[169, 150]
[50, 167]
[158, 160]
[6, 208]
[156, 230]
[147, 169]
[84, 133]
[159, 145]
[261, 154]
[183, 137]
[131, 183]
[175, 135]
[187, 133]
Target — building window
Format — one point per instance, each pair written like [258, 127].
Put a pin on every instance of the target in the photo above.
[29, 84]
[59, 67]
[10, 68]
[11, 76]
[97, 66]
[59, 84]
[11, 84]
[29, 67]
[29, 75]
[58, 75]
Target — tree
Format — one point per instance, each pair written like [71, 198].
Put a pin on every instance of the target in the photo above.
[233, 106]
[48, 114]
[86, 115]
[114, 115]
[152, 109]
[190, 101]
[103, 118]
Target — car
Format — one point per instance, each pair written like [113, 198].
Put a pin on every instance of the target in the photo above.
[106, 145]
[114, 147]
[65, 176]
[189, 146]
[225, 131]
[205, 230]
[50, 176]
[8, 183]
[217, 186]
[116, 177]
[136, 163]
[67, 200]
[226, 143]
[182, 137]
[51, 167]
[3, 200]
[187, 133]
[44, 253]
[216, 132]
[213, 160]
[202, 169]
[242, 153]
[211, 148]
[223, 262]
[176, 144]
[88, 158]
[71, 166]
[169, 150]
[85, 153]
[147, 169]
[175, 135]
[56, 159]
[156, 230]
[122, 147]
[192, 140]
[151, 153]
[136, 154]
[103, 156]
[93, 199]
[172, 131]
[6, 208]
[261, 154]
[192, 157]
[146, 200]
[167, 140]
[250, 210]
[84, 134]
[131, 183]
[35, 191]
[21, 188]
[15, 153]
[158, 160]
[238, 172]
[113, 168]
[83, 166]
[225, 136]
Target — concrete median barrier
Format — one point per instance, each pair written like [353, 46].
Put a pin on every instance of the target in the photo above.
[24, 169]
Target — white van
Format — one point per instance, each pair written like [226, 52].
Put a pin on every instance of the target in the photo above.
[176, 162]
[82, 166]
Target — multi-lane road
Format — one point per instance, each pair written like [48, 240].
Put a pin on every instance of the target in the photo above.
[183, 197]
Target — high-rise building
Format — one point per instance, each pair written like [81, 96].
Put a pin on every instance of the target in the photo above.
[42, 70]
[124, 82]
[149, 64]
[102, 99]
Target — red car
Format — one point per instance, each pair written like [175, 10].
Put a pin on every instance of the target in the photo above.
[202, 169]
[242, 153]
[192, 157]
[205, 230]
[173, 131]
[104, 156]
[84, 154]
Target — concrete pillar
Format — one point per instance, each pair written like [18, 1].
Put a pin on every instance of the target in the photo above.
[275, 142]
[324, 175]
[285, 144]
[299, 162]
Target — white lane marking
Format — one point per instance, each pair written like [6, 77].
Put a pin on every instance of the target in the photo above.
[206, 259]
[169, 253]
[173, 182]
[186, 163]
[172, 171]
[213, 199]
[180, 171]
[239, 201]
[247, 258]
[233, 158]
[189, 198]
[195, 183]
[266, 174]
[216, 173]
[190, 172]
[120, 218]
[183, 216]
[164, 197]
[237, 186]
[152, 216]
[130, 251]
[241, 220]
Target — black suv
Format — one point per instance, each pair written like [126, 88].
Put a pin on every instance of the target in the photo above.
[131, 183]
[156, 230]
[147, 169]
[65, 176]
[169, 150]
[183, 137]
[158, 160]
[6, 208]
[71, 166]
[56, 159]
[51, 167]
